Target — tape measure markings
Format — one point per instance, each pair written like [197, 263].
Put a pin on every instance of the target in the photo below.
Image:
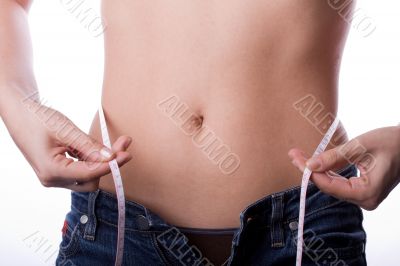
[304, 184]
[119, 190]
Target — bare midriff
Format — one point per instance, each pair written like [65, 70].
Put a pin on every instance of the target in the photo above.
[207, 91]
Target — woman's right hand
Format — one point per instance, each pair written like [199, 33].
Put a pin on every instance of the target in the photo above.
[377, 156]
[45, 135]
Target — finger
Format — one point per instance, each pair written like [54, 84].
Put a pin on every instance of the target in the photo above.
[67, 171]
[121, 144]
[336, 158]
[353, 189]
[83, 146]
[299, 158]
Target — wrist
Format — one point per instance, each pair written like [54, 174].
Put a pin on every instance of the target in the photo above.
[13, 98]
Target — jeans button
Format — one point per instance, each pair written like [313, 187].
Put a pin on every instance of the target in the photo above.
[84, 219]
[293, 225]
[142, 222]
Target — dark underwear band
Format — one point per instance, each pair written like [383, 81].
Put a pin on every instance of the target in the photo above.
[214, 244]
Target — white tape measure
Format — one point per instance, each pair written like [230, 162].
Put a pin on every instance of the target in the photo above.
[304, 183]
[121, 197]
[119, 190]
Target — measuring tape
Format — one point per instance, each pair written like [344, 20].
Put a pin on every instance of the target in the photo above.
[304, 183]
[121, 197]
[118, 188]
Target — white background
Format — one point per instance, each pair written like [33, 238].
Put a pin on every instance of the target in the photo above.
[69, 65]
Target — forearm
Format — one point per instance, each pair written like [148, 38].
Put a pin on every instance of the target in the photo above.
[17, 79]
[397, 129]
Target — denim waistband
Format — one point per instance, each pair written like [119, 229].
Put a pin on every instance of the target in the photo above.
[272, 210]
[103, 206]
[281, 208]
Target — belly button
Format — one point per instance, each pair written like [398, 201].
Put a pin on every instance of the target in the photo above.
[200, 120]
[193, 124]
[196, 121]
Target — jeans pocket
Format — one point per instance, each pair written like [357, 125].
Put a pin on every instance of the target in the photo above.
[324, 249]
[70, 240]
[334, 236]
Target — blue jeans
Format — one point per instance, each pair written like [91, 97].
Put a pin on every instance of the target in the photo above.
[333, 232]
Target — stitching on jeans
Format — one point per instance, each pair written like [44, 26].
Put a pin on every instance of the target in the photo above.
[114, 225]
[159, 251]
[329, 206]
[310, 185]
[91, 225]
[72, 246]
[281, 237]
[127, 202]
[350, 252]
[281, 209]
[77, 210]
[288, 221]
[272, 223]
[148, 217]
[276, 221]
[315, 211]
[130, 229]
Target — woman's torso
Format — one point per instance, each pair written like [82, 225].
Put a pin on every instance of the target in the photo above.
[238, 66]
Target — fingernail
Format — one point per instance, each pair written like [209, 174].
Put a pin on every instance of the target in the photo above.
[105, 153]
[313, 164]
[127, 143]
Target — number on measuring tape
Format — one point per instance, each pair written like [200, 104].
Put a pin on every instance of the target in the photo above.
[304, 183]
[118, 188]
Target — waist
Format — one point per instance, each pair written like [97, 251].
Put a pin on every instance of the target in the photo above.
[211, 151]
[272, 219]
[139, 217]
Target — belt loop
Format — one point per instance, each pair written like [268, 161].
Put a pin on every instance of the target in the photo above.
[277, 239]
[148, 216]
[90, 227]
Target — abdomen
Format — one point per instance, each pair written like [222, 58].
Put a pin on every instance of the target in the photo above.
[232, 70]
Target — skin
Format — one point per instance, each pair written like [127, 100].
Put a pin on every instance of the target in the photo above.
[39, 140]
[378, 177]
[239, 66]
